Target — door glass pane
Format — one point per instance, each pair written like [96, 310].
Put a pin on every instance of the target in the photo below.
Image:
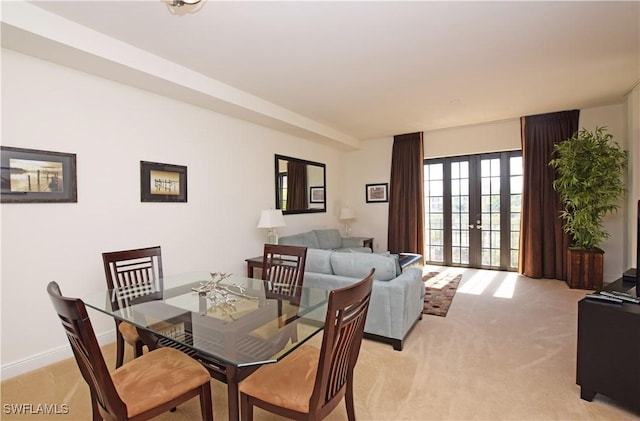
[436, 221]
[515, 184]
[434, 212]
[490, 199]
[459, 189]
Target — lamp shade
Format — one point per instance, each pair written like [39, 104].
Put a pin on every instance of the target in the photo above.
[347, 213]
[271, 218]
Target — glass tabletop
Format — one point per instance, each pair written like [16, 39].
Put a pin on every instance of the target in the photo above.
[233, 320]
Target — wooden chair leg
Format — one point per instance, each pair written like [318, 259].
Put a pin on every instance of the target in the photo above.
[206, 406]
[348, 398]
[138, 351]
[246, 408]
[119, 349]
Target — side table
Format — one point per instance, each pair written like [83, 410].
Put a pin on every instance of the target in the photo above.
[252, 264]
[366, 241]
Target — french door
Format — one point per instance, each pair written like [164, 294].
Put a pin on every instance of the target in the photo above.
[472, 210]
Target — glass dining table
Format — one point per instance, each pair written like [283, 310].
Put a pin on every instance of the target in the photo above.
[231, 324]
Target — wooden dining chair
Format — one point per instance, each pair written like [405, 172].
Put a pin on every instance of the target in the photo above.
[310, 382]
[154, 383]
[140, 269]
[283, 269]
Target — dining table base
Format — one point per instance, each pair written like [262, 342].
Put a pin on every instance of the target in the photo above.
[228, 374]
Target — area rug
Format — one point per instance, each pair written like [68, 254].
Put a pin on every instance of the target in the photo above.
[440, 288]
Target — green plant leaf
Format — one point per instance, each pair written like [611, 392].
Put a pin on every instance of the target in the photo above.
[589, 179]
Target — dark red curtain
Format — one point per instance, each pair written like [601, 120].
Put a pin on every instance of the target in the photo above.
[297, 186]
[543, 243]
[406, 195]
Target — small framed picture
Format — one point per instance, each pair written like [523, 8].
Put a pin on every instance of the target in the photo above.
[162, 182]
[34, 176]
[378, 192]
[316, 194]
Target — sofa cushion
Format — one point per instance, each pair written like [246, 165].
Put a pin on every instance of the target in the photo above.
[328, 238]
[396, 258]
[307, 239]
[318, 261]
[358, 265]
[354, 250]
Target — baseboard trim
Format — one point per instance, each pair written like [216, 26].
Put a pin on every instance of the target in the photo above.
[43, 359]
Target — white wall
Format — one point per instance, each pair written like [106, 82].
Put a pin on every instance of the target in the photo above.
[369, 165]
[633, 134]
[112, 127]
[497, 136]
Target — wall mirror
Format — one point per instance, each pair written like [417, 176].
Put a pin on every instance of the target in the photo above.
[300, 185]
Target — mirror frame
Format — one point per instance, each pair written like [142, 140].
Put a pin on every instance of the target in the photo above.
[278, 191]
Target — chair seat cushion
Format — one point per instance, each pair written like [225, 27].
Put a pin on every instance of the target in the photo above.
[287, 383]
[157, 377]
[129, 333]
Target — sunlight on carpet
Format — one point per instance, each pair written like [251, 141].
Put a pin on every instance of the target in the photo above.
[499, 284]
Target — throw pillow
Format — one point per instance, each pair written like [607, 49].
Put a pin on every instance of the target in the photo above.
[329, 238]
[307, 239]
[318, 261]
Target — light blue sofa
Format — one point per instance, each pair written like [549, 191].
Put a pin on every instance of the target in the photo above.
[397, 298]
[327, 239]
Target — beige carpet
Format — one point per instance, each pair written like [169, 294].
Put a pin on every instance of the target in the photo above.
[505, 351]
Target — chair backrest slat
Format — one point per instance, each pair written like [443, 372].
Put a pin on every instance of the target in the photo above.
[283, 266]
[344, 327]
[133, 273]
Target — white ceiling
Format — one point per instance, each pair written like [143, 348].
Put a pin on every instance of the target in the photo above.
[375, 69]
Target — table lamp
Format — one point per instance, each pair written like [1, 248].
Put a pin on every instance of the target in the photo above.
[271, 218]
[346, 215]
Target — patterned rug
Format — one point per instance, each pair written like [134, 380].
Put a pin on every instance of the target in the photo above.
[440, 288]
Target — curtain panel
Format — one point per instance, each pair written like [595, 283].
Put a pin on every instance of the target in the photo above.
[297, 197]
[543, 243]
[406, 195]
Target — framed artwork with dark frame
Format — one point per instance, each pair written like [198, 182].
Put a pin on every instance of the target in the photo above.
[35, 176]
[316, 194]
[377, 193]
[162, 182]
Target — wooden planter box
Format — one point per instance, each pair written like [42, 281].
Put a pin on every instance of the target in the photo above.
[585, 269]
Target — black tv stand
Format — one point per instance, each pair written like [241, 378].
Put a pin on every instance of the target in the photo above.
[609, 348]
[629, 275]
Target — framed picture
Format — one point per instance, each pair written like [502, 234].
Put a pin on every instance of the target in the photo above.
[316, 194]
[34, 176]
[162, 182]
[377, 192]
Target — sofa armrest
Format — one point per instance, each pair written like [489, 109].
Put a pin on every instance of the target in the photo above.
[402, 299]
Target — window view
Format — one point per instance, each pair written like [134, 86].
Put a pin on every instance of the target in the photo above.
[282, 187]
[472, 210]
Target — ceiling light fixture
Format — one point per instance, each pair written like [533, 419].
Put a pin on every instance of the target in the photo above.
[182, 7]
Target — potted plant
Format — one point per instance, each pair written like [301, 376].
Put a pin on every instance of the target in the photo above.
[589, 169]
